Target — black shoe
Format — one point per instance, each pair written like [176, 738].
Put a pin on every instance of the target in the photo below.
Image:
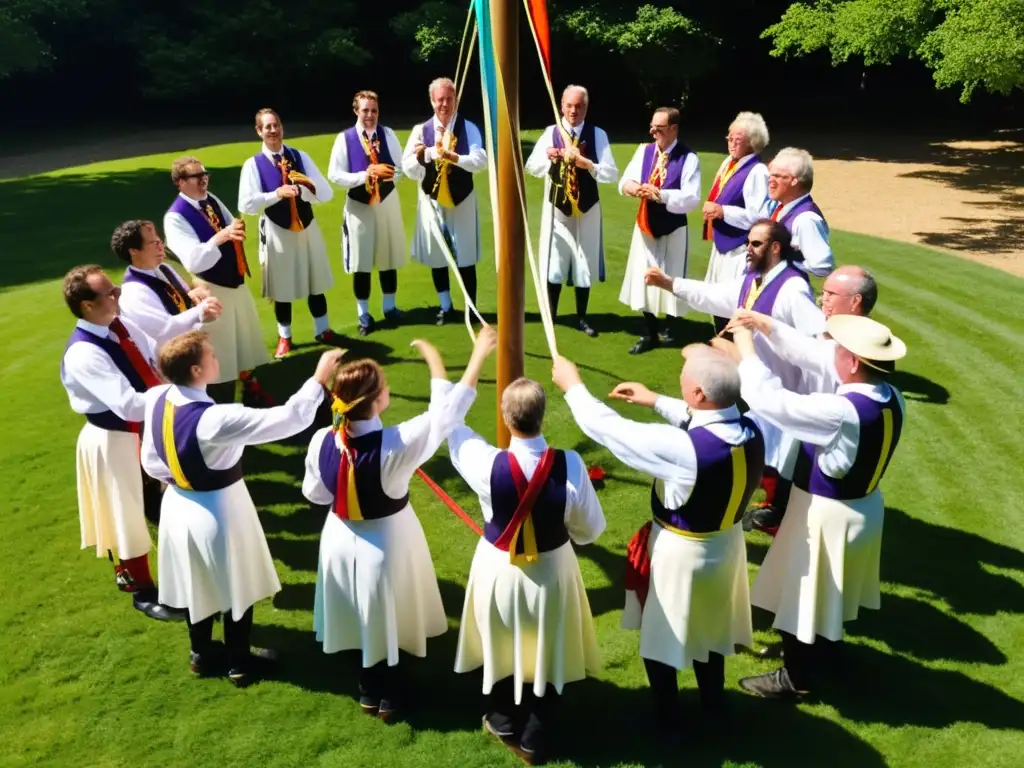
[369, 705]
[260, 663]
[394, 316]
[587, 328]
[387, 710]
[449, 315]
[147, 603]
[644, 344]
[499, 731]
[763, 518]
[666, 337]
[206, 665]
[773, 685]
[365, 324]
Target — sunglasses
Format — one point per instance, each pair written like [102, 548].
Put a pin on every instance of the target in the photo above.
[201, 175]
[756, 243]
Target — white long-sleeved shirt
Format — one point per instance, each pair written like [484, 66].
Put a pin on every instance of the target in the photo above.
[604, 170]
[474, 162]
[473, 457]
[140, 304]
[824, 419]
[682, 199]
[663, 451]
[755, 192]
[195, 255]
[810, 236]
[338, 169]
[93, 381]
[403, 448]
[252, 200]
[815, 357]
[225, 430]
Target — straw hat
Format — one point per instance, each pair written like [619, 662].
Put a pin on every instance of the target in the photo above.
[866, 338]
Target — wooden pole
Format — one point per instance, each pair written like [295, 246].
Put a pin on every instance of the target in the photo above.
[511, 244]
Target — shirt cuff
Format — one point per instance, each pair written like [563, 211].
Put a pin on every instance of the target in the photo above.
[313, 391]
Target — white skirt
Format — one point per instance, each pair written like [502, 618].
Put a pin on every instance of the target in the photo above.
[823, 565]
[235, 335]
[699, 598]
[376, 589]
[574, 249]
[213, 556]
[531, 622]
[726, 267]
[110, 508]
[373, 236]
[295, 264]
[669, 254]
[462, 223]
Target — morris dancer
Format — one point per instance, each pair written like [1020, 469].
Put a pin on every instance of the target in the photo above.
[106, 367]
[736, 197]
[372, 232]
[201, 231]
[376, 591]
[280, 184]
[687, 584]
[153, 295]
[791, 176]
[526, 617]
[824, 563]
[665, 175]
[574, 248]
[443, 154]
[214, 557]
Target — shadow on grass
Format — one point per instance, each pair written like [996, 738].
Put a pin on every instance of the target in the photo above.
[918, 388]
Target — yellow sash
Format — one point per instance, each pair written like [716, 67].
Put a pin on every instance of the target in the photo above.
[169, 448]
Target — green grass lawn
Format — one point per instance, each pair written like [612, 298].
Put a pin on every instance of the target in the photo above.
[934, 678]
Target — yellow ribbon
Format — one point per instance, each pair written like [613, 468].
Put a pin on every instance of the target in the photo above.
[528, 534]
[339, 409]
[171, 450]
[444, 194]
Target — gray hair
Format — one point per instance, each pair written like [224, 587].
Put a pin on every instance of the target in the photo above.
[754, 126]
[581, 89]
[717, 376]
[862, 284]
[800, 164]
[522, 406]
[438, 82]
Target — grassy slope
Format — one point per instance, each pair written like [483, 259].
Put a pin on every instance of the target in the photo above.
[938, 672]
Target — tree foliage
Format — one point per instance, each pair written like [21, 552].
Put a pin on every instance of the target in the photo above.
[23, 47]
[967, 43]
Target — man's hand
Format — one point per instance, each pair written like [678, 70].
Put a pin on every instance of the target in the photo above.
[199, 293]
[713, 211]
[651, 192]
[554, 153]
[327, 367]
[746, 318]
[419, 149]
[288, 190]
[565, 374]
[654, 276]
[743, 338]
[726, 347]
[233, 231]
[631, 189]
[450, 156]
[486, 341]
[210, 309]
[633, 392]
[381, 171]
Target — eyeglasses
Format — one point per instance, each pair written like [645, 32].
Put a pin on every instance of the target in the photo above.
[114, 292]
[777, 175]
[659, 128]
[200, 175]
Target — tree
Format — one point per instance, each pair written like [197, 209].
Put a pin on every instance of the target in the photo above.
[22, 47]
[967, 43]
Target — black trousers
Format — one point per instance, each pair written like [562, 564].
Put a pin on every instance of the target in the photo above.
[236, 636]
[379, 681]
[808, 663]
[665, 687]
[317, 304]
[532, 720]
[361, 285]
[582, 299]
[442, 281]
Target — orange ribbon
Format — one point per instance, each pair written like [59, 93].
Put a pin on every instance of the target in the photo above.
[716, 189]
[657, 178]
[296, 223]
[241, 262]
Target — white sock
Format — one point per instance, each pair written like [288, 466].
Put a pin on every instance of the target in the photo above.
[389, 302]
[446, 300]
[320, 324]
[284, 331]
[362, 307]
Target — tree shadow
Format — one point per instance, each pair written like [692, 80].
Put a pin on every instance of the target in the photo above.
[610, 597]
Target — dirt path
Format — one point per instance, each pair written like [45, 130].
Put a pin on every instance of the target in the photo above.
[963, 196]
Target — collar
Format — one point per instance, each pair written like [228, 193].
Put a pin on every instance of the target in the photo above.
[702, 418]
[669, 148]
[360, 128]
[191, 201]
[880, 391]
[774, 272]
[157, 273]
[438, 124]
[535, 445]
[96, 330]
[365, 426]
[792, 203]
[196, 394]
[269, 154]
[578, 129]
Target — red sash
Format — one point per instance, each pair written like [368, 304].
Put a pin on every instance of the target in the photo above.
[528, 493]
[720, 178]
[346, 499]
[638, 564]
[139, 363]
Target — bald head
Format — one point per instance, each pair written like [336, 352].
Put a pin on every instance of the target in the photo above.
[710, 379]
[849, 290]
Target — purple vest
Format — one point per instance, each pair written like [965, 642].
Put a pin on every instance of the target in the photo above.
[270, 179]
[708, 506]
[662, 222]
[373, 502]
[726, 236]
[108, 419]
[876, 436]
[160, 288]
[358, 161]
[765, 301]
[807, 204]
[460, 181]
[548, 512]
[585, 181]
[186, 445]
[225, 271]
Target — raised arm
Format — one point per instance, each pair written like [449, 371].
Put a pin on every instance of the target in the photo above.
[812, 354]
